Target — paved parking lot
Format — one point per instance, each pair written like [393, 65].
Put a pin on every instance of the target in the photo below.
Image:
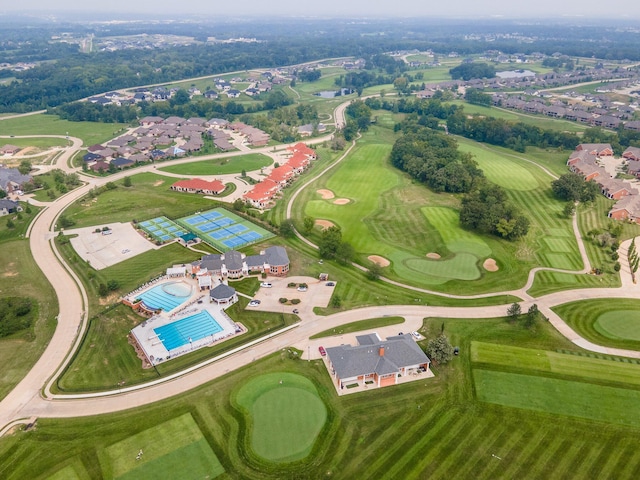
[318, 294]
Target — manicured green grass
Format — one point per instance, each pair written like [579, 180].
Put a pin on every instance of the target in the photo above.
[173, 449]
[360, 326]
[248, 163]
[89, 132]
[21, 277]
[20, 221]
[41, 143]
[561, 397]
[285, 415]
[605, 322]
[623, 324]
[148, 197]
[434, 429]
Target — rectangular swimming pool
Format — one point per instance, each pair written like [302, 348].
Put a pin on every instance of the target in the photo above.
[188, 329]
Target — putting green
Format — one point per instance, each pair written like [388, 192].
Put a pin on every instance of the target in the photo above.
[174, 449]
[447, 222]
[285, 415]
[619, 324]
[461, 267]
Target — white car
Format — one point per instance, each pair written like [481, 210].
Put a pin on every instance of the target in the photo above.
[302, 289]
[416, 334]
[254, 303]
[266, 285]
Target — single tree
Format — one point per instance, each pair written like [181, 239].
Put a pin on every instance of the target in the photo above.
[439, 349]
[287, 229]
[24, 167]
[307, 224]
[514, 312]
[569, 209]
[374, 271]
[126, 182]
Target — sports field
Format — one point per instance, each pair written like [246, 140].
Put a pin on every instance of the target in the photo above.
[224, 230]
[285, 415]
[162, 229]
[174, 449]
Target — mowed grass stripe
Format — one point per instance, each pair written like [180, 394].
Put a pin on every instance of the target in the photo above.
[623, 461]
[514, 466]
[378, 468]
[505, 440]
[564, 466]
[532, 465]
[547, 464]
[471, 448]
[406, 465]
[560, 397]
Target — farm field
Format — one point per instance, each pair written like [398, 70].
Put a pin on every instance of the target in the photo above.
[612, 324]
[437, 429]
[248, 163]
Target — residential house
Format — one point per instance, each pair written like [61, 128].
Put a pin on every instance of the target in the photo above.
[262, 194]
[597, 149]
[12, 181]
[9, 149]
[632, 153]
[7, 207]
[381, 362]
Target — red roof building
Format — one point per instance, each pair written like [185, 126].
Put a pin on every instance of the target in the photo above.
[198, 185]
[261, 194]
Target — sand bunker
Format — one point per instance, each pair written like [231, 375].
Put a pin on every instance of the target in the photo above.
[341, 201]
[324, 224]
[490, 265]
[326, 194]
[433, 256]
[158, 183]
[383, 262]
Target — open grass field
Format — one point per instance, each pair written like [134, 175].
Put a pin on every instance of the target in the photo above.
[40, 143]
[148, 197]
[360, 325]
[605, 322]
[248, 163]
[173, 449]
[437, 429]
[21, 277]
[284, 414]
[89, 132]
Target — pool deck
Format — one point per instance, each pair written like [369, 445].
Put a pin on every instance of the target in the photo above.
[155, 350]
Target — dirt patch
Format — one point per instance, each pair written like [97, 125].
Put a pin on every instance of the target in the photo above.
[27, 150]
[490, 265]
[434, 256]
[341, 201]
[383, 262]
[324, 224]
[326, 194]
[158, 183]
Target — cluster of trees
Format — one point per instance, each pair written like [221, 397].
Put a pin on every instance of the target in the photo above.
[487, 209]
[634, 259]
[573, 188]
[358, 119]
[559, 62]
[16, 314]
[477, 97]
[529, 320]
[433, 158]
[467, 71]
[331, 246]
[309, 75]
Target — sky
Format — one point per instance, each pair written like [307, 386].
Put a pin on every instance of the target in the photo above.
[623, 9]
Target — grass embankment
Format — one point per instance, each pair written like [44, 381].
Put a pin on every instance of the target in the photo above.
[247, 163]
[437, 428]
[90, 132]
[21, 277]
[612, 323]
[359, 326]
[149, 196]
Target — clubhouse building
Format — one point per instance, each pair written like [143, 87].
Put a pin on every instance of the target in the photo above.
[233, 264]
[376, 363]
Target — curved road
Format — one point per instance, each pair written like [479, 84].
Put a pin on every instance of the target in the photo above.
[25, 400]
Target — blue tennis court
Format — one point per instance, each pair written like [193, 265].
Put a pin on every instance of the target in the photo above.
[211, 215]
[145, 224]
[207, 227]
[237, 228]
[219, 235]
[186, 330]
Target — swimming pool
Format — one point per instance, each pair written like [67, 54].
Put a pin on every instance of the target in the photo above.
[188, 329]
[166, 296]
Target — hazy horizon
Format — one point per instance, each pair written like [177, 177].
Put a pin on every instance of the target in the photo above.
[488, 9]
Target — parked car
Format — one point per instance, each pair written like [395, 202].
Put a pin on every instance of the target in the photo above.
[254, 303]
[416, 334]
[330, 284]
[322, 351]
[266, 285]
[302, 289]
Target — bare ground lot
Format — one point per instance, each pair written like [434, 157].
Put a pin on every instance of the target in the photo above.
[102, 251]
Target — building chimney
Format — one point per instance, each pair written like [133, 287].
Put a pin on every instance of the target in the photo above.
[381, 351]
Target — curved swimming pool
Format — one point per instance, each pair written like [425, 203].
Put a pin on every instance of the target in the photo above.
[166, 296]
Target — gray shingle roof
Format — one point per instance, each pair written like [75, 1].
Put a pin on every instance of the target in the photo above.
[233, 260]
[222, 292]
[277, 256]
[399, 351]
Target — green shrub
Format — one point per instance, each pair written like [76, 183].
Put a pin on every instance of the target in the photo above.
[283, 300]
